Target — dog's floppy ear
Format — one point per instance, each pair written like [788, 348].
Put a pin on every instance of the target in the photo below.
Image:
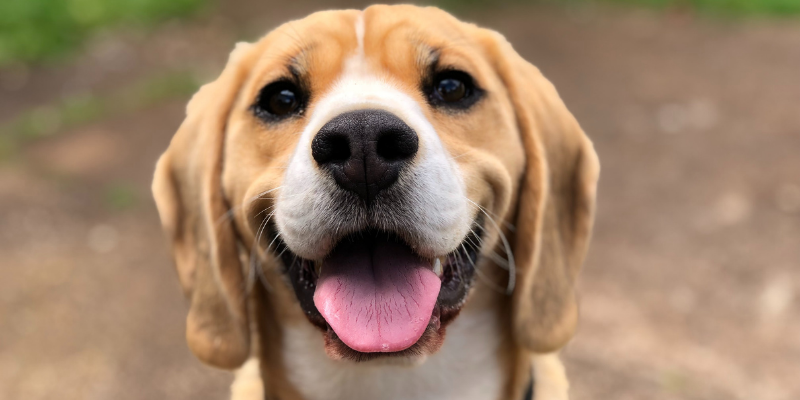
[555, 209]
[188, 191]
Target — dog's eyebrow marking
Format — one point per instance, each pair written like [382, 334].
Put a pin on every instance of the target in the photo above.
[433, 56]
[296, 66]
[428, 59]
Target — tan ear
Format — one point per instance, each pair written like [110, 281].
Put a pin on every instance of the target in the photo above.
[555, 209]
[188, 191]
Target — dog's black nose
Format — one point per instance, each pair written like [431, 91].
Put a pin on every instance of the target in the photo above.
[365, 150]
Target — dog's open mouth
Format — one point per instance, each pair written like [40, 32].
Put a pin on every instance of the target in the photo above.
[374, 296]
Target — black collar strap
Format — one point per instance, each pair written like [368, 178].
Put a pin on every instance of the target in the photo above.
[529, 391]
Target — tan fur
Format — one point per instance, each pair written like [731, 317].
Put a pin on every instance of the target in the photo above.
[524, 158]
[190, 201]
[555, 210]
[247, 384]
[550, 378]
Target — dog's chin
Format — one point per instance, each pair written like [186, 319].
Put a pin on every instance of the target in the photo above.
[455, 272]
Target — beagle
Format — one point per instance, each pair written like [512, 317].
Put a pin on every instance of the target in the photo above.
[380, 204]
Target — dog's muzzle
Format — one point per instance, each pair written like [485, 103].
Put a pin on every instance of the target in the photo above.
[371, 280]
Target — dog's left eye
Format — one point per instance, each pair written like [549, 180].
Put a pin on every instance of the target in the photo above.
[453, 89]
[278, 100]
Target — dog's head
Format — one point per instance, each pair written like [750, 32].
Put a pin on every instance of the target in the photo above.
[377, 161]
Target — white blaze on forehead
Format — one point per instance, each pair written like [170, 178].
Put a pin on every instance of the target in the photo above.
[435, 209]
[360, 33]
[356, 64]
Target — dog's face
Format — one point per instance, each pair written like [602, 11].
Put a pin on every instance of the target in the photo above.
[371, 164]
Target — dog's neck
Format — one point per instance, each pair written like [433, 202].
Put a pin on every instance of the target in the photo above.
[466, 367]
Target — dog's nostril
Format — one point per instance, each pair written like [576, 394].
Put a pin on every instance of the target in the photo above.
[330, 149]
[395, 145]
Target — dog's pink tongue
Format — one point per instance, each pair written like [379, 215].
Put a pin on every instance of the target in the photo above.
[377, 297]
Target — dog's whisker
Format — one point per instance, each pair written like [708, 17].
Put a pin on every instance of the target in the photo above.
[473, 234]
[254, 257]
[459, 263]
[461, 155]
[483, 277]
[263, 193]
[489, 283]
[512, 270]
[269, 246]
[466, 254]
[228, 215]
[505, 223]
[255, 266]
[499, 261]
[262, 277]
[251, 276]
[265, 210]
[281, 253]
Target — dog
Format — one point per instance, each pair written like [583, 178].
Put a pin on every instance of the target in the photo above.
[380, 204]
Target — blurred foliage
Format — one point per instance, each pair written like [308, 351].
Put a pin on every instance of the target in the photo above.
[725, 7]
[77, 110]
[37, 30]
[708, 7]
[120, 196]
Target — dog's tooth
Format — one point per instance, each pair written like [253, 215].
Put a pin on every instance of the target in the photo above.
[437, 267]
[317, 267]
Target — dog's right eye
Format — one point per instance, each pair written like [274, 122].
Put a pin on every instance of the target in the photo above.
[278, 100]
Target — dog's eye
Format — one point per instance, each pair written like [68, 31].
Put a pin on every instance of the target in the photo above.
[278, 100]
[453, 89]
[283, 102]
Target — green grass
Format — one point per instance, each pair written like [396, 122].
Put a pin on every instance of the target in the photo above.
[77, 110]
[734, 8]
[120, 196]
[42, 30]
[725, 7]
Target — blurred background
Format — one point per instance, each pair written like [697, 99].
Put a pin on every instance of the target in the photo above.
[690, 290]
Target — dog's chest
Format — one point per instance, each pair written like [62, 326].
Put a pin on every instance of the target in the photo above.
[466, 367]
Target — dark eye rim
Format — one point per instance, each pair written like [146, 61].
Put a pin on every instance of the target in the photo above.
[262, 113]
[473, 92]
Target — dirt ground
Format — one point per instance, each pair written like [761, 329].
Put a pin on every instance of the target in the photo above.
[689, 291]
